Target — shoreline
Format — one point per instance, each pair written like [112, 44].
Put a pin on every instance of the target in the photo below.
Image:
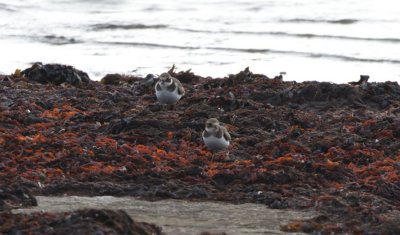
[181, 217]
[329, 147]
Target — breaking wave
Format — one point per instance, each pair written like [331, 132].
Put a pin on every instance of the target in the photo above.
[250, 50]
[98, 27]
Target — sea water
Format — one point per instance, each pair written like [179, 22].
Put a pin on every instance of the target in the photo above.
[321, 40]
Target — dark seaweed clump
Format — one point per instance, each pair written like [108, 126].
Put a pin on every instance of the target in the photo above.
[88, 221]
[56, 74]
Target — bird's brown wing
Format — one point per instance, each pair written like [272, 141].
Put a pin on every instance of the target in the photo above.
[226, 134]
[181, 90]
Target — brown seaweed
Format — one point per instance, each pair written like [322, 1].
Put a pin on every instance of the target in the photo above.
[88, 221]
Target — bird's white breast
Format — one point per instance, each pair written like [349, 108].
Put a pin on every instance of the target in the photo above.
[214, 143]
[168, 97]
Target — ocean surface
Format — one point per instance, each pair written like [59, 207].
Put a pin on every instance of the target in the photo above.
[321, 40]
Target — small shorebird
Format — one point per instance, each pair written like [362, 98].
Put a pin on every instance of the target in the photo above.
[148, 80]
[215, 137]
[168, 89]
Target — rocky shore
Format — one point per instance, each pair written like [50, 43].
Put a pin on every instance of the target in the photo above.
[334, 148]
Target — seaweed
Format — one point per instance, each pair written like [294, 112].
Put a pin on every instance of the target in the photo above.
[329, 147]
[88, 221]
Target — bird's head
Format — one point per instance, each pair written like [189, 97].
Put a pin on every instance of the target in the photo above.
[165, 79]
[212, 125]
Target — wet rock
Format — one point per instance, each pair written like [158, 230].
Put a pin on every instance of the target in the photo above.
[56, 74]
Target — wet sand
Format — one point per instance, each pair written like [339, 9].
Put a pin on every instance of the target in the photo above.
[182, 217]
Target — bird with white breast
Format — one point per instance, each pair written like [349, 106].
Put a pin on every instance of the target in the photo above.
[169, 90]
[215, 136]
